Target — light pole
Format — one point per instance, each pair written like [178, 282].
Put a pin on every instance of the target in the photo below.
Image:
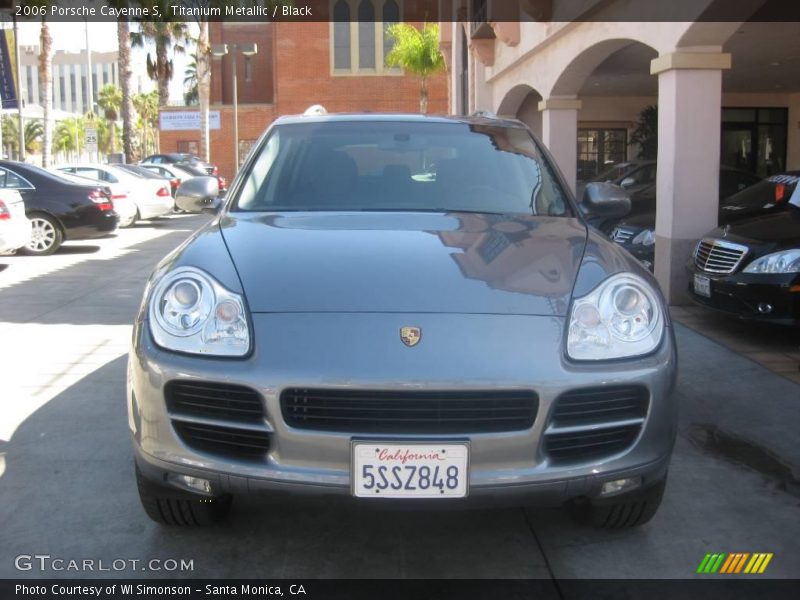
[220, 50]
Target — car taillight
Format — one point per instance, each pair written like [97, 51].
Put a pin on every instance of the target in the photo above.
[5, 214]
[214, 171]
[175, 182]
[221, 182]
[101, 200]
[163, 191]
[780, 192]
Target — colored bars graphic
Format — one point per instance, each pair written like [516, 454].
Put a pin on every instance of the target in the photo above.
[735, 563]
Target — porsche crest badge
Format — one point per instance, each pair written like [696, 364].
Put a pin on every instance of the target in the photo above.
[410, 336]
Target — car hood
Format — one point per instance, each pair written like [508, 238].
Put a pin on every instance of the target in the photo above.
[405, 262]
[774, 231]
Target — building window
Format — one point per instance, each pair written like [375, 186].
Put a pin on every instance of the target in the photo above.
[361, 46]
[62, 88]
[189, 147]
[73, 88]
[754, 139]
[29, 74]
[248, 68]
[598, 149]
[391, 15]
[341, 35]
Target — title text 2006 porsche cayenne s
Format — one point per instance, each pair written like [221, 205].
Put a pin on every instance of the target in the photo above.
[402, 309]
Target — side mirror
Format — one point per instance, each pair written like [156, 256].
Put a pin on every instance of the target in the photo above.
[198, 194]
[627, 182]
[605, 200]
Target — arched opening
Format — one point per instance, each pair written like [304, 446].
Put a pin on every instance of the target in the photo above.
[522, 102]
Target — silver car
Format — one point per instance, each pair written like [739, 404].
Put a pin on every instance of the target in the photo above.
[402, 309]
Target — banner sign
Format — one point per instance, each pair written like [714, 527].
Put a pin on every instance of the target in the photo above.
[9, 78]
[180, 120]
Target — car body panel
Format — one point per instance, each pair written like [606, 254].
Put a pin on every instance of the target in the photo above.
[15, 231]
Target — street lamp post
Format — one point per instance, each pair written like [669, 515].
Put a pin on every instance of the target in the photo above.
[220, 50]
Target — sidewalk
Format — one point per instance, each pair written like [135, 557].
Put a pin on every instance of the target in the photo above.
[774, 347]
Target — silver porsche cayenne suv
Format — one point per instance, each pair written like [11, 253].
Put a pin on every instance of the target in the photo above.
[402, 309]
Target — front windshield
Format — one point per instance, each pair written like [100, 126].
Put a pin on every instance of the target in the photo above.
[401, 166]
[767, 194]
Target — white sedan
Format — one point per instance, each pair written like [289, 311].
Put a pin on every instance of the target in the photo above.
[15, 228]
[151, 197]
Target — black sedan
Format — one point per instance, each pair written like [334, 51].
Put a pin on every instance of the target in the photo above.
[58, 210]
[741, 194]
[751, 269]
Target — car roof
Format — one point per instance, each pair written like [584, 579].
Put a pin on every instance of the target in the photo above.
[398, 118]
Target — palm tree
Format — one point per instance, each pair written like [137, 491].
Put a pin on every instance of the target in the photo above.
[124, 57]
[147, 106]
[416, 51]
[110, 100]
[33, 132]
[191, 92]
[46, 88]
[69, 135]
[165, 35]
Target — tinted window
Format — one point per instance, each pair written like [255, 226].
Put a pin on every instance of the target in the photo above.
[402, 166]
[11, 180]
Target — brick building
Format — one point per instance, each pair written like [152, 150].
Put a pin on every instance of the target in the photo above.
[338, 65]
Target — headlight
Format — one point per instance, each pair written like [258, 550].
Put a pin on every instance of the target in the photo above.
[787, 261]
[646, 237]
[620, 318]
[190, 312]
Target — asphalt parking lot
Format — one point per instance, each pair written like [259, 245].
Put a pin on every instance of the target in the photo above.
[66, 472]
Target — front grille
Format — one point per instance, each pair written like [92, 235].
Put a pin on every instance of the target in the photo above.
[229, 441]
[363, 411]
[590, 445]
[621, 235]
[718, 256]
[214, 400]
[601, 404]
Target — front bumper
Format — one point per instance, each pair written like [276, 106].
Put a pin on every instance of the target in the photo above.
[363, 351]
[761, 297]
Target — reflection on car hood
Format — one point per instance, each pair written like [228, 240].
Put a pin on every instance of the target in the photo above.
[777, 230]
[405, 262]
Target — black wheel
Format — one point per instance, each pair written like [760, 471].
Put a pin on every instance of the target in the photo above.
[46, 235]
[623, 512]
[180, 509]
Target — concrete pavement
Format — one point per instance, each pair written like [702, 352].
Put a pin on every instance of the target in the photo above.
[67, 488]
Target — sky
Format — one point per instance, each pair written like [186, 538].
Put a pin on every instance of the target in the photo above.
[102, 38]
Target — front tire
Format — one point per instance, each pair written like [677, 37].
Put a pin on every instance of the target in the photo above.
[46, 236]
[624, 512]
[174, 508]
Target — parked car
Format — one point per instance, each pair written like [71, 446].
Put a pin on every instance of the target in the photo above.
[123, 205]
[183, 171]
[637, 234]
[750, 268]
[356, 322]
[148, 174]
[152, 197]
[643, 200]
[15, 228]
[172, 158]
[58, 210]
[632, 175]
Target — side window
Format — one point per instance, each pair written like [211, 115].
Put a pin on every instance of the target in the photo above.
[13, 181]
[109, 177]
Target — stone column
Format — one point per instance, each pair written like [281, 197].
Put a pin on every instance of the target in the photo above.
[560, 133]
[687, 187]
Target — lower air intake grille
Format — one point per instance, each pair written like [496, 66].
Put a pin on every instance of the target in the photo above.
[593, 444]
[600, 404]
[214, 400]
[363, 411]
[230, 441]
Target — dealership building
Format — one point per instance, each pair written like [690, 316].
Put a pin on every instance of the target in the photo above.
[581, 73]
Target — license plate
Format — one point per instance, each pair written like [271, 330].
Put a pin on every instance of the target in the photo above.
[410, 470]
[702, 286]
